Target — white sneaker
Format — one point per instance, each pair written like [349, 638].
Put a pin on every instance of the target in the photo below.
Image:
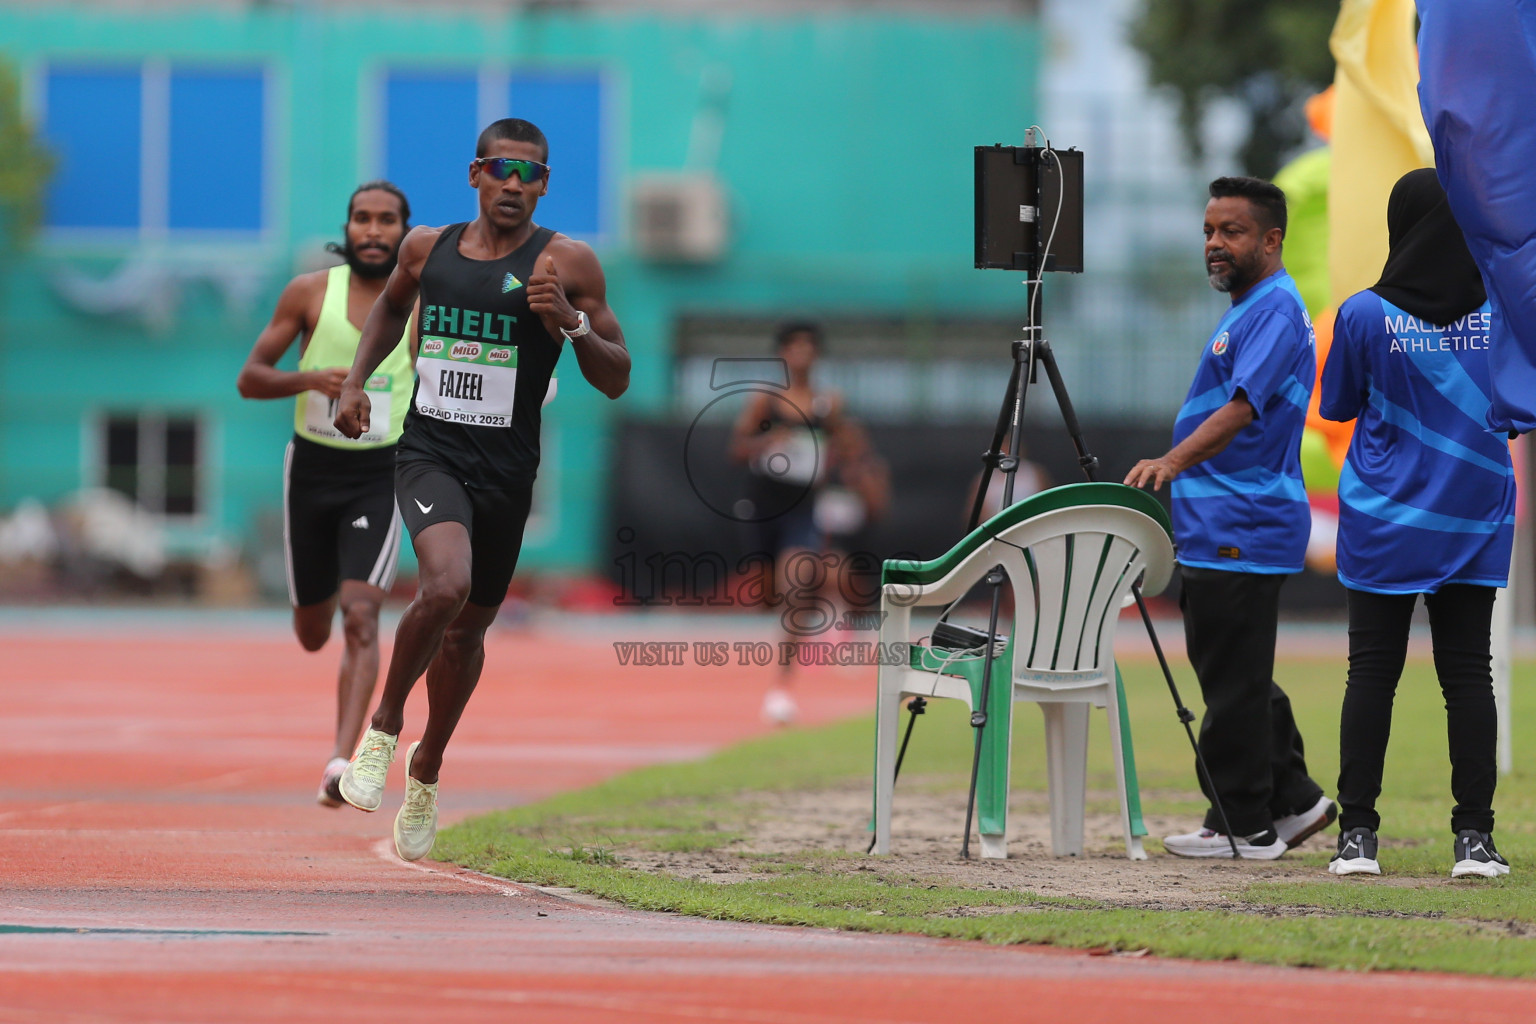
[1264, 845]
[329, 795]
[779, 708]
[362, 783]
[416, 824]
[1294, 829]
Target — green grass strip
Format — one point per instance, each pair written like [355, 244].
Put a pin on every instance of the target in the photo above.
[1414, 918]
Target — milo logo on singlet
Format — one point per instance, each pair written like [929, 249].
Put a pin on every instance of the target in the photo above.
[465, 324]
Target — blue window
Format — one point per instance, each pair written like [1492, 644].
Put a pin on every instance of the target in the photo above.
[156, 149]
[430, 131]
[431, 122]
[568, 108]
[215, 169]
[92, 122]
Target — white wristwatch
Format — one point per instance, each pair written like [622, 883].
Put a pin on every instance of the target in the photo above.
[583, 328]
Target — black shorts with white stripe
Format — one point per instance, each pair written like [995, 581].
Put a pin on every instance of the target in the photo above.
[339, 519]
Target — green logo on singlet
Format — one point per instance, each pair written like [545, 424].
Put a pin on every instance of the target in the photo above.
[510, 282]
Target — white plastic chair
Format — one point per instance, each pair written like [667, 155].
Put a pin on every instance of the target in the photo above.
[1072, 554]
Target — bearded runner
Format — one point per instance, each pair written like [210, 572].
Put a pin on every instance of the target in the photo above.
[341, 533]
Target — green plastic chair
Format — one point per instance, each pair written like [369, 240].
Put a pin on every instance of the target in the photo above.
[1072, 554]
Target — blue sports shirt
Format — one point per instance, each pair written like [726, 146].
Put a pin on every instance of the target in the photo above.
[1245, 508]
[1427, 493]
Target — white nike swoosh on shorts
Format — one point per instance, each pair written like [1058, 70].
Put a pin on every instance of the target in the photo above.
[424, 508]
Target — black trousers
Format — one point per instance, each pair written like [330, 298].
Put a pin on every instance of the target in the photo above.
[1460, 617]
[1248, 737]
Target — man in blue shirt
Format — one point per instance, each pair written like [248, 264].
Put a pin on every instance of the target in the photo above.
[1241, 522]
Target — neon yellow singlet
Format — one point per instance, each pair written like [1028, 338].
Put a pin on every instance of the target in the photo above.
[334, 343]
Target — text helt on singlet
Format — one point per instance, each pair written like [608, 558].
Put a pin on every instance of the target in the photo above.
[485, 364]
[463, 380]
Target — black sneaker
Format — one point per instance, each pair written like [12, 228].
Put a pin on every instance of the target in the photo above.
[1357, 853]
[1475, 855]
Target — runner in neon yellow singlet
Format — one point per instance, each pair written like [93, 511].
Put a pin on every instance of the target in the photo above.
[341, 528]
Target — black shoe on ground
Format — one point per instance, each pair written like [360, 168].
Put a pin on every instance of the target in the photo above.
[1475, 855]
[1357, 854]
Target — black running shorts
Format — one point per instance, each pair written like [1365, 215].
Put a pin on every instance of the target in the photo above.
[339, 519]
[428, 494]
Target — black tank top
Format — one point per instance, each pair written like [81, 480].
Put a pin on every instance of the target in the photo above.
[483, 366]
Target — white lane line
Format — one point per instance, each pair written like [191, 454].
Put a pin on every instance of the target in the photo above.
[46, 811]
[384, 849]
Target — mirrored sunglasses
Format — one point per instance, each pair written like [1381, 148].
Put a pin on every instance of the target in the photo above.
[503, 167]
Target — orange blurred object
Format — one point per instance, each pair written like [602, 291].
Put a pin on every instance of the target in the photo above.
[1337, 434]
[1320, 114]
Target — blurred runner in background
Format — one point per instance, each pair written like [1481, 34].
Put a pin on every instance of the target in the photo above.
[785, 440]
[341, 530]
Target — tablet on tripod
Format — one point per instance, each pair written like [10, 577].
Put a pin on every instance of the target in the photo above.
[1026, 197]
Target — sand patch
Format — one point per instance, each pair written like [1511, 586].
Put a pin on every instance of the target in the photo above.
[828, 827]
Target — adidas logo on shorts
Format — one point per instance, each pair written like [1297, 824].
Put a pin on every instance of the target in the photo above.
[360, 523]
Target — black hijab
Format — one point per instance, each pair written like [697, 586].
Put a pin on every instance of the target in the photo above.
[1429, 271]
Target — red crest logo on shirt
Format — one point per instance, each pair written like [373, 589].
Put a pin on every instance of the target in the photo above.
[1219, 346]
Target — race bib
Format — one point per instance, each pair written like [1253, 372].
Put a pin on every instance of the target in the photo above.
[320, 413]
[791, 459]
[467, 382]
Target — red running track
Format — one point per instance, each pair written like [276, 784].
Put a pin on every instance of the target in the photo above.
[162, 860]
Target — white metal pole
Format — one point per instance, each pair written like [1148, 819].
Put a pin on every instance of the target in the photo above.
[1501, 642]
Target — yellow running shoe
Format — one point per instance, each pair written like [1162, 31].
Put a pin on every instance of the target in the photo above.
[416, 824]
[362, 784]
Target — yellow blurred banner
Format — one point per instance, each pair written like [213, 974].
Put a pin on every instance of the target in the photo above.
[1378, 134]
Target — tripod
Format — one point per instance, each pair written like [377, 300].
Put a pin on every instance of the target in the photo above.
[1011, 193]
[1027, 356]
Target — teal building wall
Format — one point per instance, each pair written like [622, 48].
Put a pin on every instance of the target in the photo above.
[844, 145]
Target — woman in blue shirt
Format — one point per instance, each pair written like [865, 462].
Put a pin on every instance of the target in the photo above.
[1426, 506]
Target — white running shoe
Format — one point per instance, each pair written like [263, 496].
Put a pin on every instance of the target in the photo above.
[329, 795]
[779, 708]
[416, 824]
[1264, 845]
[362, 784]
[1295, 828]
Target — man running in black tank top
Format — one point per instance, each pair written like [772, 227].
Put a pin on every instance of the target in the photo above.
[499, 296]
